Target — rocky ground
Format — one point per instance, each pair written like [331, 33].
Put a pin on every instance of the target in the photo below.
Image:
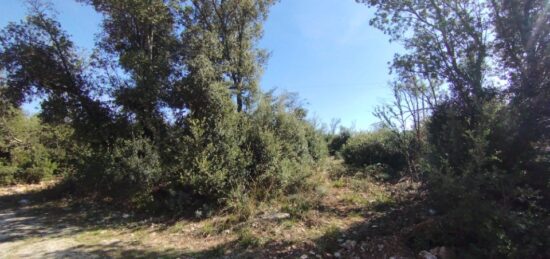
[356, 218]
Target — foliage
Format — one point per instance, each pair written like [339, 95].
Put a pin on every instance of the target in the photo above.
[337, 141]
[127, 171]
[374, 149]
[24, 158]
[40, 60]
[485, 148]
[273, 156]
[167, 111]
[232, 29]
[167, 108]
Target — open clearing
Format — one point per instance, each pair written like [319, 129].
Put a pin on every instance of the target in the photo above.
[356, 218]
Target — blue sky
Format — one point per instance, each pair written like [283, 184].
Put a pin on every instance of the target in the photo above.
[324, 50]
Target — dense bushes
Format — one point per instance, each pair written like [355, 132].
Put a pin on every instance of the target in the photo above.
[375, 149]
[487, 207]
[128, 171]
[227, 159]
[24, 158]
[269, 150]
[180, 128]
[337, 141]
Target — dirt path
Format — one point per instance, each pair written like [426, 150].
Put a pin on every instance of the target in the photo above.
[32, 227]
[348, 224]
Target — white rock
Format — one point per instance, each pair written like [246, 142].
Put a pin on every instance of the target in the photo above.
[198, 213]
[426, 255]
[278, 215]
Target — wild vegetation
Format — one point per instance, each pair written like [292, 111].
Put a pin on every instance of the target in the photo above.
[167, 116]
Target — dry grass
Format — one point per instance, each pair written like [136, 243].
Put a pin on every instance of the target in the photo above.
[321, 220]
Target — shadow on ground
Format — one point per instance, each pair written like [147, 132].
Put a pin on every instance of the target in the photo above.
[46, 215]
[385, 232]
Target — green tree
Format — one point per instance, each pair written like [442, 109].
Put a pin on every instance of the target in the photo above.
[232, 28]
[485, 171]
[446, 43]
[40, 60]
[446, 40]
[139, 38]
[23, 157]
[523, 44]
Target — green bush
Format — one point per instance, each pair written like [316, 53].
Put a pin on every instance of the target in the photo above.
[377, 148]
[213, 161]
[487, 208]
[25, 158]
[7, 174]
[337, 142]
[37, 172]
[290, 143]
[128, 171]
[134, 169]
[261, 154]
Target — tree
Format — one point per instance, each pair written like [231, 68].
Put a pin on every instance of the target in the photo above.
[414, 101]
[523, 44]
[447, 40]
[233, 28]
[487, 160]
[139, 38]
[40, 60]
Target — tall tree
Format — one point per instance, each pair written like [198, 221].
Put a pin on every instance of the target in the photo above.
[40, 59]
[445, 39]
[233, 27]
[523, 43]
[413, 103]
[140, 36]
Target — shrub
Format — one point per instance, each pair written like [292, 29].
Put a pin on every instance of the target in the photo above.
[487, 208]
[292, 144]
[37, 172]
[236, 158]
[135, 168]
[7, 174]
[337, 142]
[213, 161]
[378, 149]
[128, 171]
[24, 158]
[317, 145]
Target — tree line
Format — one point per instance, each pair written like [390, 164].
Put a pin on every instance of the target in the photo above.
[167, 113]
